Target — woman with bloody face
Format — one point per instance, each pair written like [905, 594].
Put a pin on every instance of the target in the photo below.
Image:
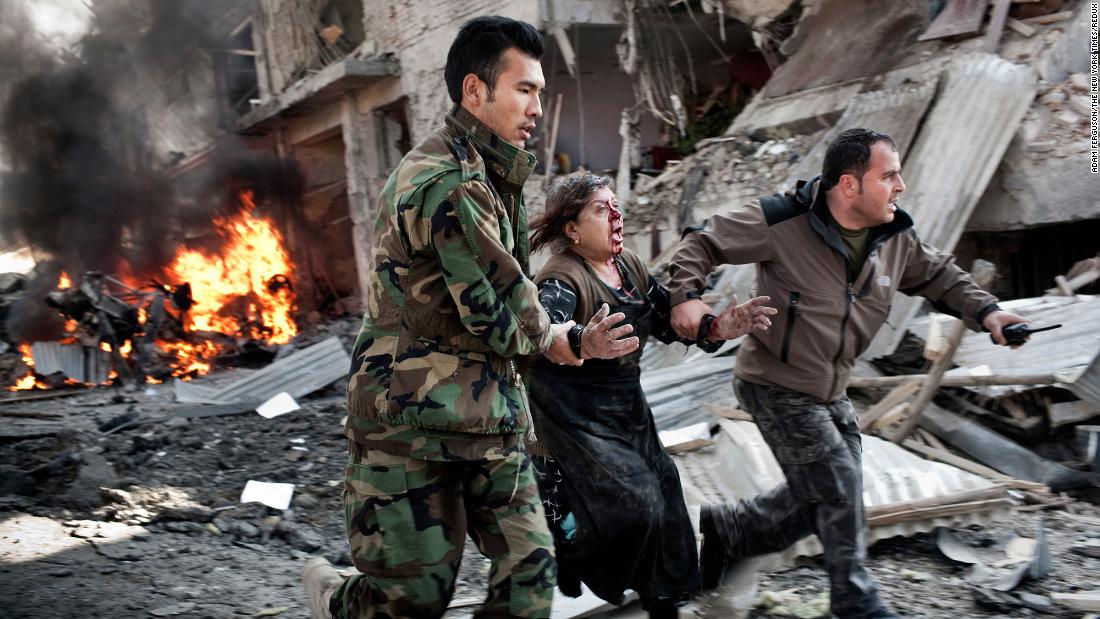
[612, 495]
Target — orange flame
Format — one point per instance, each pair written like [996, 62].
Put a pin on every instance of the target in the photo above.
[236, 284]
[28, 381]
[235, 293]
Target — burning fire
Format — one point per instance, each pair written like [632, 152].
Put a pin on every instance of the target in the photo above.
[246, 280]
[245, 271]
[242, 292]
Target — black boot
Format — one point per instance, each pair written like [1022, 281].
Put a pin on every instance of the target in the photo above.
[661, 608]
[714, 557]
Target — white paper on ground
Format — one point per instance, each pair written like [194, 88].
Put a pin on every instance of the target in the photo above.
[278, 405]
[684, 434]
[273, 495]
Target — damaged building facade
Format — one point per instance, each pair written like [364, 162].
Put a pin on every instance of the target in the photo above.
[344, 88]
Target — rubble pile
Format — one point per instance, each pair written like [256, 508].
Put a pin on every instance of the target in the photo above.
[722, 174]
[1058, 123]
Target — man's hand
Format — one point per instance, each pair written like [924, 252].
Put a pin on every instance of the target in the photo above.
[998, 320]
[560, 352]
[737, 320]
[686, 317]
[600, 341]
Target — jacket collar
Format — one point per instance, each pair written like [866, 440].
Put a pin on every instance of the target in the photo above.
[508, 163]
[810, 193]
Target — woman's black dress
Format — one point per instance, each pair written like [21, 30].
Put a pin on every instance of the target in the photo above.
[612, 494]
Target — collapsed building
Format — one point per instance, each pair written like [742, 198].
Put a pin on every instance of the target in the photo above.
[295, 112]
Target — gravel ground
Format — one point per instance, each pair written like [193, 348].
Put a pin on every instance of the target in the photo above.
[169, 537]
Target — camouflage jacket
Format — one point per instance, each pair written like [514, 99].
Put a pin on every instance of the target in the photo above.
[451, 308]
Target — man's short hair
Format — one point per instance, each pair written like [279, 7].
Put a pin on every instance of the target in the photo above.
[850, 153]
[480, 44]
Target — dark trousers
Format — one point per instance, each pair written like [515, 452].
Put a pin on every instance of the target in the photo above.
[819, 449]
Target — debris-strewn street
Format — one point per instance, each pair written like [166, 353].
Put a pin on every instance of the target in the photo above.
[200, 200]
[145, 520]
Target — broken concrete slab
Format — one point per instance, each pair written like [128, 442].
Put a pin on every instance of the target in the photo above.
[825, 58]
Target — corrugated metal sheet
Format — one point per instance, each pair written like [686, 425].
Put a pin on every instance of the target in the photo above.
[81, 363]
[741, 466]
[676, 394]
[1075, 347]
[298, 374]
[982, 100]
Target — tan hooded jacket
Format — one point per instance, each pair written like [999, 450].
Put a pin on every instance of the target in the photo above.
[828, 314]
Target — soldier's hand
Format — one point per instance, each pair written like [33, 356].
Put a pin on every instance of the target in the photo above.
[560, 352]
[737, 320]
[600, 341]
[686, 317]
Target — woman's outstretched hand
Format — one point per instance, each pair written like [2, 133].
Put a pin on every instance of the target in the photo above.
[600, 341]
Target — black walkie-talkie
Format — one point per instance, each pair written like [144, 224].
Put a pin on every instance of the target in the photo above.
[1017, 334]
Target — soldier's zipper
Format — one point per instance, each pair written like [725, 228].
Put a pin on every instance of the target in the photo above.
[516, 380]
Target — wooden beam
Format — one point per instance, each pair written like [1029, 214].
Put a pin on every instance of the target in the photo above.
[942, 455]
[692, 445]
[982, 273]
[996, 25]
[996, 491]
[927, 513]
[882, 382]
[1020, 27]
[727, 412]
[1050, 19]
[903, 391]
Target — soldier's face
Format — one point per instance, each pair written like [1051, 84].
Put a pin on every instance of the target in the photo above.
[514, 105]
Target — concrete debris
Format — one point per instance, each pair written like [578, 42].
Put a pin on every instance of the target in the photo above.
[1084, 600]
[1000, 566]
[789, 603]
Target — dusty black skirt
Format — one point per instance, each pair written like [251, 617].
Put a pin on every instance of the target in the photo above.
[629, 527]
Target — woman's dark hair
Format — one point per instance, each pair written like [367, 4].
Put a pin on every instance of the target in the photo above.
[564, 201]
[478, 47]
[850, 153]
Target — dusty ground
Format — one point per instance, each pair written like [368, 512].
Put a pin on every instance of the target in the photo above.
[169, 537]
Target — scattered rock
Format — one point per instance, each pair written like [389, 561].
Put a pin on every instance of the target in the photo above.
[301, 536]
[246, 529]
[173, 609]
[95, 473]
[306, 500]
[1079, 82]
[1081, 104]
[915, 575]
[1067, 117]
[184, 527]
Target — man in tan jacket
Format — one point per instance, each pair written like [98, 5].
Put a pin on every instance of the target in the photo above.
[830, 253]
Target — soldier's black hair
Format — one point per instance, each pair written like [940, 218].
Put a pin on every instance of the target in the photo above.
[480, 44]
[850, 153]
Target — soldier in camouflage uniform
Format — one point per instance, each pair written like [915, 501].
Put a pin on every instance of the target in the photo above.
[438, 408]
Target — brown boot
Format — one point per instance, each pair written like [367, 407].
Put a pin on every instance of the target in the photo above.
[321, 580]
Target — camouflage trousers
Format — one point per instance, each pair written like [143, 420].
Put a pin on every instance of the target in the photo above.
[819, 449]
[407, 521]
